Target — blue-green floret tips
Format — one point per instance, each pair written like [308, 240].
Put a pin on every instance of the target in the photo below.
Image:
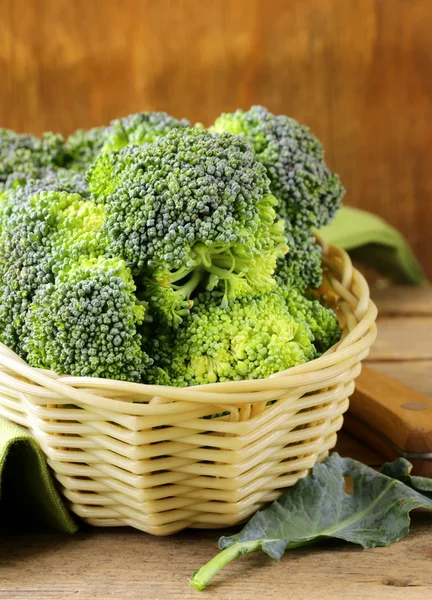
[86, 323]
[308, 191]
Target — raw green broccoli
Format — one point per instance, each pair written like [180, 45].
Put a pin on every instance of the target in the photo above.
[193, 208]
[171, 223]
[86, 322]
[83, 146]
[249, 339]
[49, 180]
[308, 192]
[321, 320]
[140, 128]
[24, 157]
[301, 265]
[39, 234]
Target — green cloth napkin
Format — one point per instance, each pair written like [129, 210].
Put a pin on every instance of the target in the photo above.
[373, 242]
[27, 491]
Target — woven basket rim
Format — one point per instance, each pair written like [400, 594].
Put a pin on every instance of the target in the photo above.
[348, 347]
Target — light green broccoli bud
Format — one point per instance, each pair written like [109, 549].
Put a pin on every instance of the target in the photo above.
[321, 320]
[249, 339]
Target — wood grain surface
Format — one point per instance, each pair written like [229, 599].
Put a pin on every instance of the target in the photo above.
[128, 565]
[407, 301]
[356, 71]
[403, 338]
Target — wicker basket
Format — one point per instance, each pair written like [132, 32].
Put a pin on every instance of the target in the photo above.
[147, 456]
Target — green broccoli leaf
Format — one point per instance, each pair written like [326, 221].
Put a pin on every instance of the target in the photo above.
[400, 469]
[374, 513]
[374, 243]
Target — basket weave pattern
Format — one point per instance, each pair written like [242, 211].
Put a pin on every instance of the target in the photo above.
[147, 456]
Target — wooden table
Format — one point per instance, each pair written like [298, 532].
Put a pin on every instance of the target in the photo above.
[129, 565]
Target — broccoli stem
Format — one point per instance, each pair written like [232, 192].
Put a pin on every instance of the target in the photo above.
[188, 288]
[203, 576]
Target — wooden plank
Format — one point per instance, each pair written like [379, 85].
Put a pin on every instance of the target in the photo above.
[403, 300]
[417, 373]
[129, 565]
[404, 338]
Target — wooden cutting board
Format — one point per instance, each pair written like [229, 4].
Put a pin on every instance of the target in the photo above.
[392, 418]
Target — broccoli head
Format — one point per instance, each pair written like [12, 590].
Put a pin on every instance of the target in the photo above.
[24, 157]
[140, 128]
[308, 193]
[86, 322]
[301, 266]
[191, 208]
[49, 180]
[250, 339]
[39, 234]
[83, 146]
[321, 320]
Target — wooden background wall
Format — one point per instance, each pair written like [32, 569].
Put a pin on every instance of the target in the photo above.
[359, 72]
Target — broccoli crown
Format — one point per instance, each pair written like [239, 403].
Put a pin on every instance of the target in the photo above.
[83, 146]
[40, 233]
[140, 128]
[301, 266]
[321, 320]
[309, 193]
[205, 233]
[191, 200]
[86, 322]
[249, 339]
[23, 156]
[186, 189]
[49, 180]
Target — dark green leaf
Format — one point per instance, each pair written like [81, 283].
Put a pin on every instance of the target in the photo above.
[376, 513]
[400, 469]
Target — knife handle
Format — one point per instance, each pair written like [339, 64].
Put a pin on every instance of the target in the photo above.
[392, 418]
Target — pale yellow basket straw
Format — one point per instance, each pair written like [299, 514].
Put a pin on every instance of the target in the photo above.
[147, 456]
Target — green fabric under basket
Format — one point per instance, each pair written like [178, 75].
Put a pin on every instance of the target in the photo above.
[28, 496]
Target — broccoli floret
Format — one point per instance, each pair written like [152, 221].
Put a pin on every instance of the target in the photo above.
[321, 320]
[50, 180]
[24, 157]
[249, 339]
[301, 266]
[191, 201]
[39, 234]
[140, 128]
[63, 180]
[86, 323]
[308, 192]
[83, 146]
